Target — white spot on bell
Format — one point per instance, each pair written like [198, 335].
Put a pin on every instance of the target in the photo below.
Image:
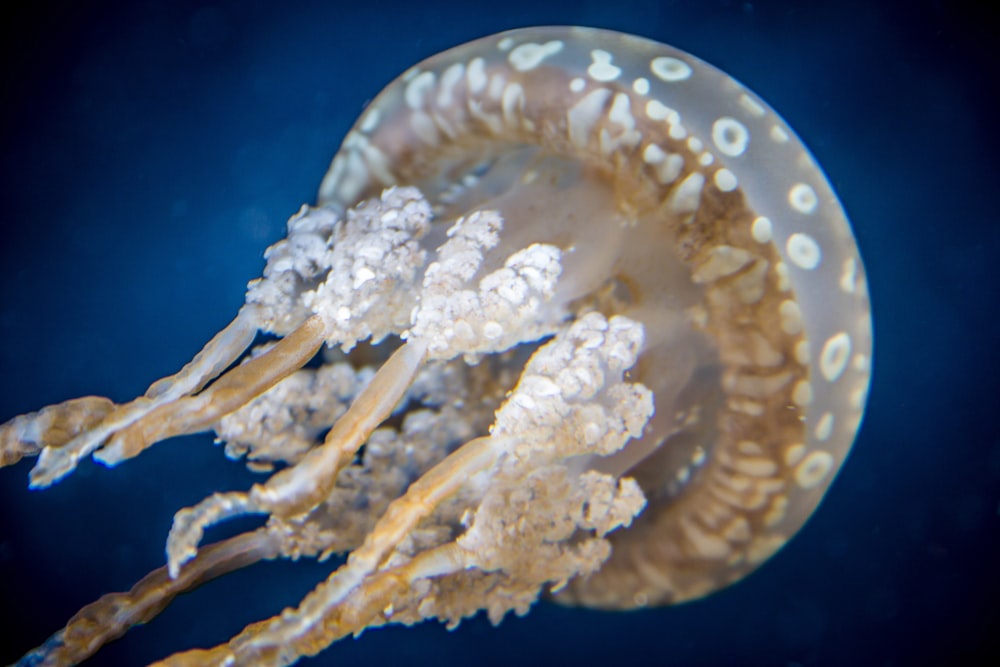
[725, 180]
[802, 394]
[762, 230]
[833, 358]
[849, 276]
[370, 121]
[784, 280]
[751, 105]
[794, 454]
[730, 136]
[670, 69]
[657, 110]
[813, 470]
[791, 317]
[804, 252]
[528, 56]
[449, 80]
[687, 196]
[803, 198]
[418, 89]
[668, 166]
[802, 352]
[601, 68]
[475, 76]
[824, 427]
[582, 116]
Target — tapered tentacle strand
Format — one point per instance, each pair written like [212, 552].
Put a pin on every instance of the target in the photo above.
[63, 434]
[300, 488]
[51, 427]
[374, 597]
[109, 617]
[192, 414]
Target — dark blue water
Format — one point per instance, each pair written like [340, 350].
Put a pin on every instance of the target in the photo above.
[149, 153]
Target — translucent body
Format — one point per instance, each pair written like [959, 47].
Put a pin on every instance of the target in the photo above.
[754, 298]
[646, 230]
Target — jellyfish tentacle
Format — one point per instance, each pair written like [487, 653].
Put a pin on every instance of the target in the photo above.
[449, 319]
[221, 351]
[191, 414]
[370, 600]
[420, 500]
[572, 401]
[111, 615]
[51, 427]
[300, 488]
[190, 523]
[57, 459]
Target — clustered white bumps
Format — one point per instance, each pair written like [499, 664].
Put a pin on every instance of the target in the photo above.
[538, 518]
[571, 391]
[294, 264]
[365, 275]
[356, 272]
[392, 459]
[376, 257]
[283, 423]
[505, 310]
[540, 521]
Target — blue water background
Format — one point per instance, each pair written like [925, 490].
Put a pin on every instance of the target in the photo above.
[150, 151]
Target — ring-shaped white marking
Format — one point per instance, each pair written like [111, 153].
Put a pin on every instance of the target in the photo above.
[670, 69]
[530, 55]
[804, 252]
[803, 198]
[730, 136]
[833, 358]
[813, 469]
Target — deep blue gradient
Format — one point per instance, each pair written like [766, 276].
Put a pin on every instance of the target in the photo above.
[150, 151]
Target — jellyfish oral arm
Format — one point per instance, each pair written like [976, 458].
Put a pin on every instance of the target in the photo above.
[298, 489]
[518, 494]
[450, 316]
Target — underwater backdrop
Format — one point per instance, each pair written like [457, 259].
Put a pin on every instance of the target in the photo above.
[150, 151]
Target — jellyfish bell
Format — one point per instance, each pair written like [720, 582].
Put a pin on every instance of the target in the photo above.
[591, 308]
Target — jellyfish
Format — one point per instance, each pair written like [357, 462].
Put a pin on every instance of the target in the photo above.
[576, 315]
